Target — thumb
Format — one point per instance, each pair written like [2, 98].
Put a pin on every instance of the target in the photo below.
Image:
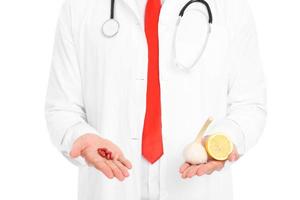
[77, 148]
[233, 156]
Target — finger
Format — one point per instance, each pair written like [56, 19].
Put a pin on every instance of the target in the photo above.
[184, 166]
[221, 166]
[104, 168]
[121, 167]
[213, 166]
[192, 171]
[234, 156]
[77, 148]
[115, 169]
[124, 161]
[185, 172]
[202, 169]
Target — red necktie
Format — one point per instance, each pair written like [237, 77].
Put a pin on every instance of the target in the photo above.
[152, 145]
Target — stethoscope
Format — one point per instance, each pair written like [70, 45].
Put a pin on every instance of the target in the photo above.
[111, 27]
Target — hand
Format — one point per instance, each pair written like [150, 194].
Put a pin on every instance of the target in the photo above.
[188, 170]
[87, 146]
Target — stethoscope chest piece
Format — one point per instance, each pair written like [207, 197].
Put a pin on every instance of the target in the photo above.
[110, 27]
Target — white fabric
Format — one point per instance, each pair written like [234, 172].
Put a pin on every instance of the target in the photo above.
[98, 85]
[141, 6]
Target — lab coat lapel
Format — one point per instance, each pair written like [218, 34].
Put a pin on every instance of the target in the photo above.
[134, 8]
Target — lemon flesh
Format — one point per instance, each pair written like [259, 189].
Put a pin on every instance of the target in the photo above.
[218, 146]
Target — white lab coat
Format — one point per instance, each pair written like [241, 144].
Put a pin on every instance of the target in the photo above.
[98, 85]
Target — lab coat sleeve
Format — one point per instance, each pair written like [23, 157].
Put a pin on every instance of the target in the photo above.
[246, 110]
[65, 113]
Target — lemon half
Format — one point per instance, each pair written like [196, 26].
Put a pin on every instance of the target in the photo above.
[218, 146]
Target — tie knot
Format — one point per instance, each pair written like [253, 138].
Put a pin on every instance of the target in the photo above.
[153, 5]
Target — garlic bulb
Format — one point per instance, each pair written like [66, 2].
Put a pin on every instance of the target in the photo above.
[195, 153]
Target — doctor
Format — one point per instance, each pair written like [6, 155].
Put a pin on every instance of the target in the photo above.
[130, 77]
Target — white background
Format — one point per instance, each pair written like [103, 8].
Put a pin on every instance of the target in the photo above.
[31, 168]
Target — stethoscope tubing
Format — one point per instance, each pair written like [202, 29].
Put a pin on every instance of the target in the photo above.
[209, 20]
[210, 17]
[112, 9]
[180, 65]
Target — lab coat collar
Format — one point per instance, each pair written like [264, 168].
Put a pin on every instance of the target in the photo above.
[134, 8]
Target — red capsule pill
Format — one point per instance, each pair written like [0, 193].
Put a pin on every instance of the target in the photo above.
[109, 156]
[102, 152]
